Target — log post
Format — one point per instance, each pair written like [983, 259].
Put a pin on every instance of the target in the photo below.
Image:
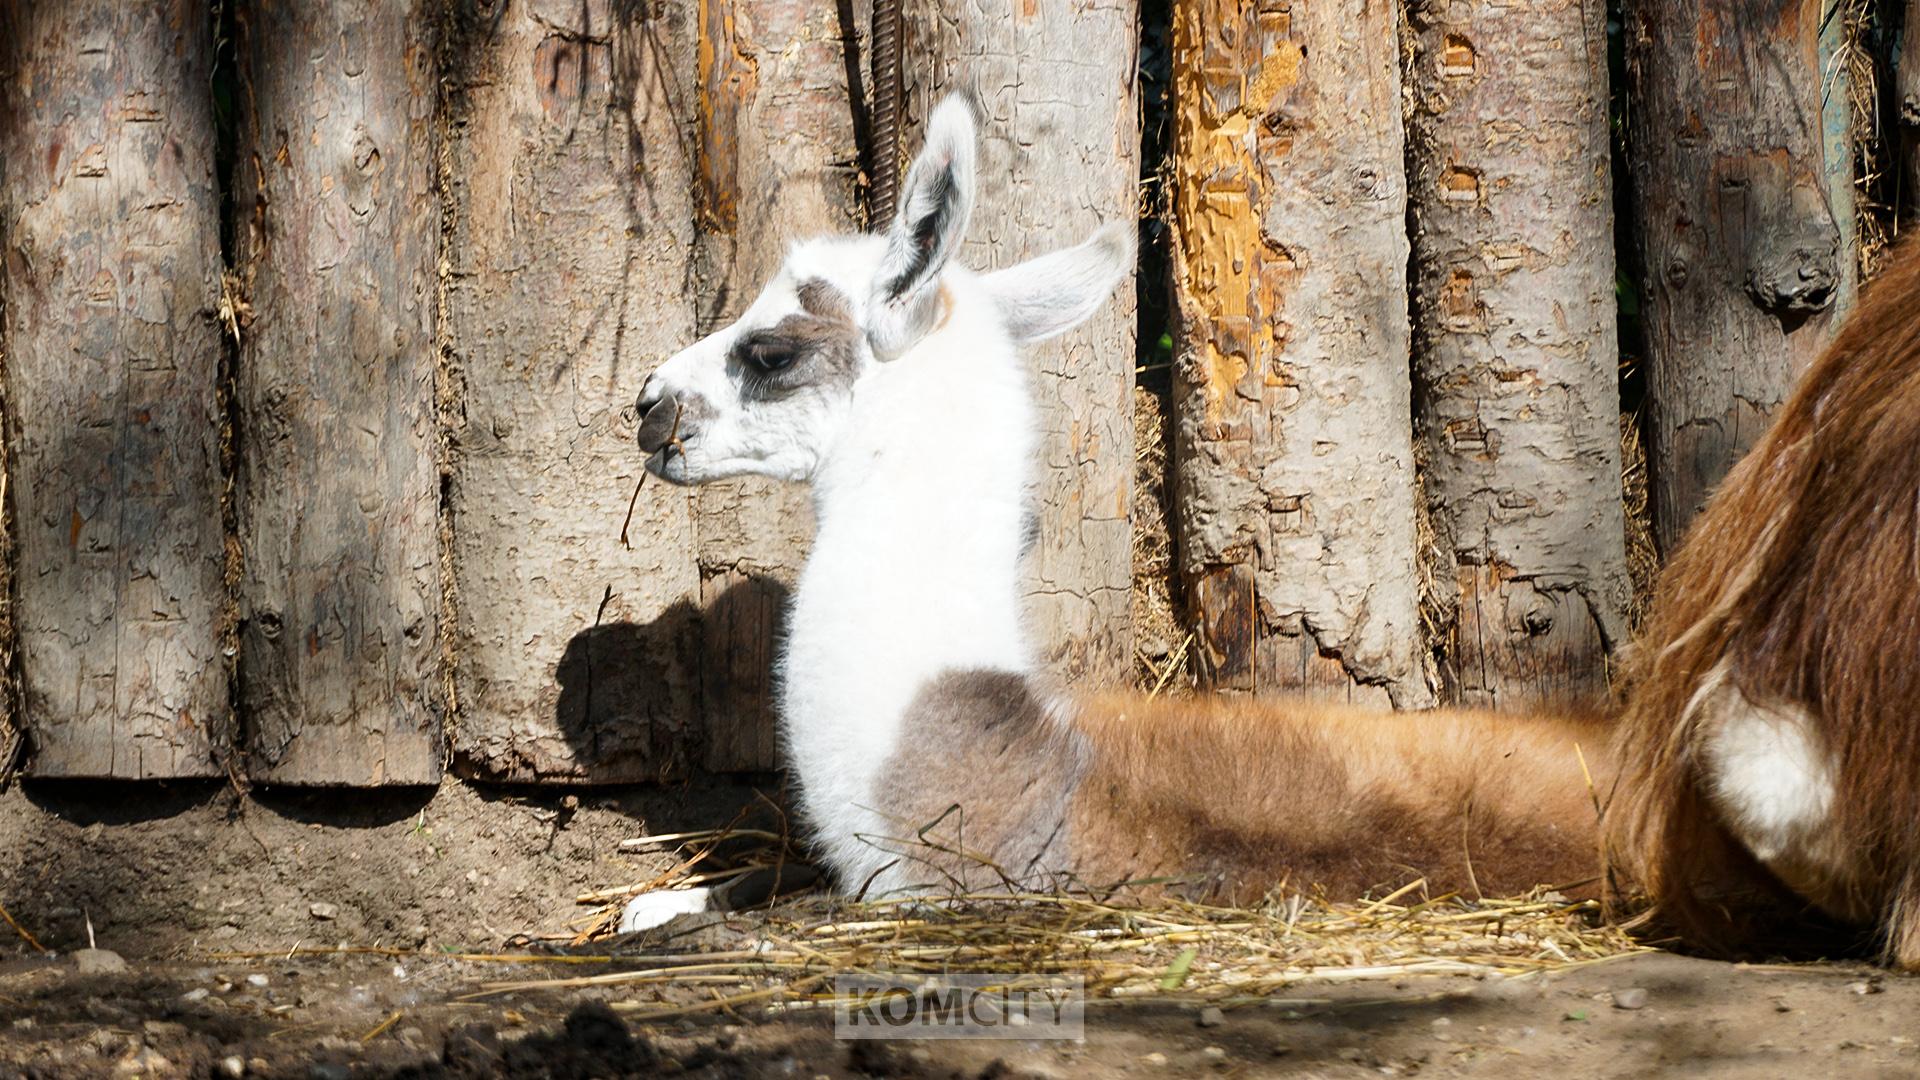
[1059, 156]
[1745, 220]
[110, 283]
[569, 277]
[340, 674]
[776, 157]
[1294, 436]
[1516, 351]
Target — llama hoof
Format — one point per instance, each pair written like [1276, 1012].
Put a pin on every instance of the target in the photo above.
[648, 910]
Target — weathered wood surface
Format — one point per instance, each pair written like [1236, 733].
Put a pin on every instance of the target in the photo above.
[1745, 217]
[1059, 156]
[1293, 431]
[569, 278]
[1516, 345]
[109, 280]
[340, 670]
[1907, 99]
[777, 159]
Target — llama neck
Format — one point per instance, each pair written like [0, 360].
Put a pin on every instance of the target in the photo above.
[914, 571]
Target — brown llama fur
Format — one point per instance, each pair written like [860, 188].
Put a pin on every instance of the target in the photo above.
[1802, 576]
[1230, 799]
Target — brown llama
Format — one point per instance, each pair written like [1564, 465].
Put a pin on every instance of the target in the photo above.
[1769, 767]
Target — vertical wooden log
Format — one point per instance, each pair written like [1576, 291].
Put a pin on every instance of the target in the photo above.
[1907, 95]
[1293, 437]
[776, 157]
[1515, 342]
[1748, 240]
[569, 277]
[1059, 156]
[339, 489]
[109, 279]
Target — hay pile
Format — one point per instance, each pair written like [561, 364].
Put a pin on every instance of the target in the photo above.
[787, 955]
[790, 954]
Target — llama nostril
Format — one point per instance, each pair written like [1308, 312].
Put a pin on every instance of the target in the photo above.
[657, 424]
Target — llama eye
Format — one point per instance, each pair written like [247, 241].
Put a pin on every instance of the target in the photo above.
[769, 356]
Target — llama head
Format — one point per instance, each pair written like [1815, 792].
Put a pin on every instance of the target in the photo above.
[770, 394]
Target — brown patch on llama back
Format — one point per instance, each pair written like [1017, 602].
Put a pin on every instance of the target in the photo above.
[979, 787]
[1802, 575]
[1240, 797]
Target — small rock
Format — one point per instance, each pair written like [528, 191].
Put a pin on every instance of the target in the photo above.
[1633, 997]
[233, 1066]
[323, 911]
[258, 981]
[1212, 1016]
[143, 1063]
[1155, 1059]
[1214, 1053]
[1280, 1049]
[162, 1029]
[1868, 986]
[98, 962]
[198, 993]
[328, 1070]
[24, 1023]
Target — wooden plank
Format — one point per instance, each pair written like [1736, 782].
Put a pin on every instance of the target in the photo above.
[569, 279]
[776, 152]
[1293, 438]
[1744, 213]
[338, 495]
[1059, 156]
[1515, 346]
[110, 280]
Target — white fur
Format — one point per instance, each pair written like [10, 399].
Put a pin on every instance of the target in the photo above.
[915, 567]
[921, 473]
[1770, 779]
[648, 910]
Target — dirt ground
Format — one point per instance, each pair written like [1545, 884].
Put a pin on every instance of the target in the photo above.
[177, 880]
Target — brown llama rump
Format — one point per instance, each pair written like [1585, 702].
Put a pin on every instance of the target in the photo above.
[1796, 592]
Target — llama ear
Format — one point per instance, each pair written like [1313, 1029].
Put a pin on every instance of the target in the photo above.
[1054, 293]
[935, 203]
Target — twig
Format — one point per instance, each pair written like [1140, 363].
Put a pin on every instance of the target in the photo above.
[382, 1028]
[22, 931]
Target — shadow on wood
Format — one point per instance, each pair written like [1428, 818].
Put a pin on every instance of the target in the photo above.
[622, 709]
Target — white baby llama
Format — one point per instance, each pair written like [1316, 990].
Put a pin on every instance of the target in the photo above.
[928, 755]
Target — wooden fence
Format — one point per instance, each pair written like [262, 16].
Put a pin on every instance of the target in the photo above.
[322, 324]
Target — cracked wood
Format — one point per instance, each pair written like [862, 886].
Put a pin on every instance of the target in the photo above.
[109, 279]
[338, 492]
[1742, 172]
[1293, 435]
[1515, 344]
[1059, 156]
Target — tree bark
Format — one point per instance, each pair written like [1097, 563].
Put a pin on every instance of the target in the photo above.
[1294, 435]
[110, 279]
[1060, 148]
[1516, 344]
[1745, 217]
[777, 159]
[338, 488]
[569, 278]
[1907, 93]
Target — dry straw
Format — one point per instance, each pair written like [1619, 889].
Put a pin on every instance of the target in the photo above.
[1124, 945]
